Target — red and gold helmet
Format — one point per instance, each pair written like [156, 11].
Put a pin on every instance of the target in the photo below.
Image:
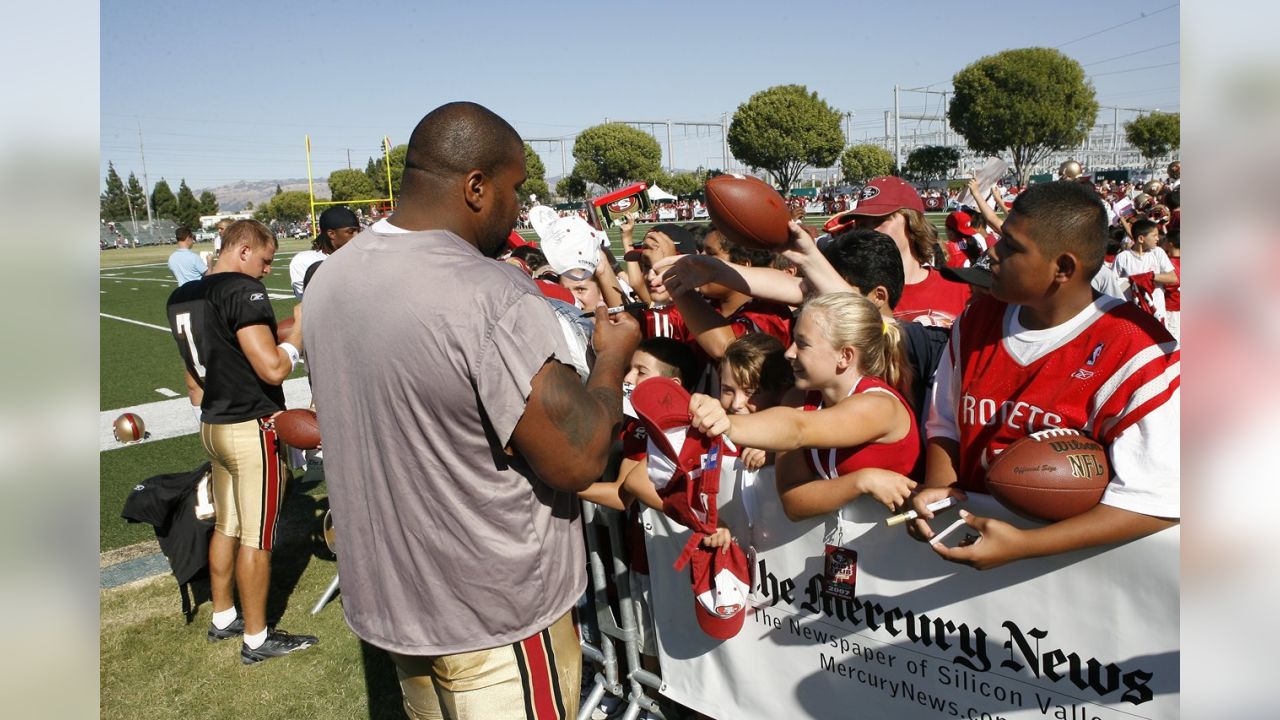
[129, 428]
[1153, 188]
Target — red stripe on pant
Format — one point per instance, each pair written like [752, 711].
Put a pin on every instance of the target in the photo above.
[540, 687]
[271, 493]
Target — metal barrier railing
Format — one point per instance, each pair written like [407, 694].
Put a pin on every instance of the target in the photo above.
[620, 627]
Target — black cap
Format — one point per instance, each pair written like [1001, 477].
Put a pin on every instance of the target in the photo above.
[979, 273]
[338, 217]
[683, 239]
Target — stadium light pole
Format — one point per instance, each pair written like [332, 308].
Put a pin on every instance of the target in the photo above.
[146, 187]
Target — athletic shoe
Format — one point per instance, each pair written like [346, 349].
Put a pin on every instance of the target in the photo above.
[278, 643]
[235, 629]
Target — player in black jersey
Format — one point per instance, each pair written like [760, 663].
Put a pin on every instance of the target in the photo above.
[226, 332]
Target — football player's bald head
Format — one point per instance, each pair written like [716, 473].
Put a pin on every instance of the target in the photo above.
[459, 137]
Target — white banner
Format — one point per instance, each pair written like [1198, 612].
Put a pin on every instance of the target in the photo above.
[1088, 635]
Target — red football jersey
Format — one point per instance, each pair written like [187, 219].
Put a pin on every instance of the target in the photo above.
[900, 456]
[666, 322]
[1103, 377]
[762, 316]
[936, 297]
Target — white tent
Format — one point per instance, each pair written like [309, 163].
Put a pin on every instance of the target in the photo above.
[656, 193]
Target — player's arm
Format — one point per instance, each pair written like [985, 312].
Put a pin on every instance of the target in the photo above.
[194, 391]
[1003, 543]
[567, 429]
[272, 363]
[608, 494]
[637, 485]
[1167, 273]
[685, 272]
[804, 253]
[608, 281]
[711, 330]
[862, 418]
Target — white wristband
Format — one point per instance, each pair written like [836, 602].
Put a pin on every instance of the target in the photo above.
[293, 354]
[195, 410]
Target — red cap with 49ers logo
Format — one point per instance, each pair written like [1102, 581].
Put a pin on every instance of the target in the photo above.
[884, 195]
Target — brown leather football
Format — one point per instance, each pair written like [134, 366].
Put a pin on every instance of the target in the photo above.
[1050, 475]
[299, 428]
[748, 211]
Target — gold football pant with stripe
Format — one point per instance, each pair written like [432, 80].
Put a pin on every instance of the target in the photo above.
[248, 480]
[538, 678]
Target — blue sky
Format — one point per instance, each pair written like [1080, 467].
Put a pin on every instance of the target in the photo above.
[226, 92]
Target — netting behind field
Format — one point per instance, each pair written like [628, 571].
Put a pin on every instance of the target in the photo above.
[124, 234]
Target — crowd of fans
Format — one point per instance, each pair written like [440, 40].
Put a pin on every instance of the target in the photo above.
[469, 383]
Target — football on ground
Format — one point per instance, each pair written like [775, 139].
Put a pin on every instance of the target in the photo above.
[748, 211]
[1050, 475]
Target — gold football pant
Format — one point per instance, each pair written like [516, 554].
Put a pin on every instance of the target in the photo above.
[248, 480]
[538, 678]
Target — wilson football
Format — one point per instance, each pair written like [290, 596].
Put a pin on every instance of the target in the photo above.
[748, 211]
[283, 328]
[299, 428]
[1050, 475]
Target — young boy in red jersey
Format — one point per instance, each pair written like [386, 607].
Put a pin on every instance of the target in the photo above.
[1046, 351]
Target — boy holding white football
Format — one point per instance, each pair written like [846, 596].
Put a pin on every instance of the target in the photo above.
[1046, 351]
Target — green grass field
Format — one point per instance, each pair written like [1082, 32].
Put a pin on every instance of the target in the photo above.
[152, 664]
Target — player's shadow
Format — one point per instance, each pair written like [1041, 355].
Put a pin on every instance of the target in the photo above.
[300, 517]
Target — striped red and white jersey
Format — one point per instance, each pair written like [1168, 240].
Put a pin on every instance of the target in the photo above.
[1111, 372]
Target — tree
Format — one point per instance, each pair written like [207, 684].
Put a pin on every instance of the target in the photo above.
[208, 203]
[572, 187]
[536, 177]
[278, 189]
[683, 183]
[188, 207]
[784, 130]
[137, 196]
[614, 153]
[114, 202]
[163, 202]
[863, 162]
[1027, 102]
[1155, 134]
[931, 162]
[287, 206]
[351, 185]
[379, 174]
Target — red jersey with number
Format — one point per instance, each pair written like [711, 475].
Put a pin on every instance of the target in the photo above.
[933, 301]
[666, 322]
[1104, 376]
[900, 456]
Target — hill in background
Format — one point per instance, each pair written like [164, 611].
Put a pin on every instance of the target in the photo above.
[233, 197]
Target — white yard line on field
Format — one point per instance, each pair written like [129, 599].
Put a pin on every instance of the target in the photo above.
[134, 322]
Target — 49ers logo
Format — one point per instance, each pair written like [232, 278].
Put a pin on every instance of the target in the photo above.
[868, 192]
[622, 205]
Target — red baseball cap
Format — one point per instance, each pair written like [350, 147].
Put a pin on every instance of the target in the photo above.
[884, 195]
[515, 240]
[961, 222]
[721, 584]
[555, 290]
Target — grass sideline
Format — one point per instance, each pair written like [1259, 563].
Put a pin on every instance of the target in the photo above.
[153, 666]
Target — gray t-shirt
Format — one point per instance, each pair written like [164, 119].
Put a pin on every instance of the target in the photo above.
[421, 352]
